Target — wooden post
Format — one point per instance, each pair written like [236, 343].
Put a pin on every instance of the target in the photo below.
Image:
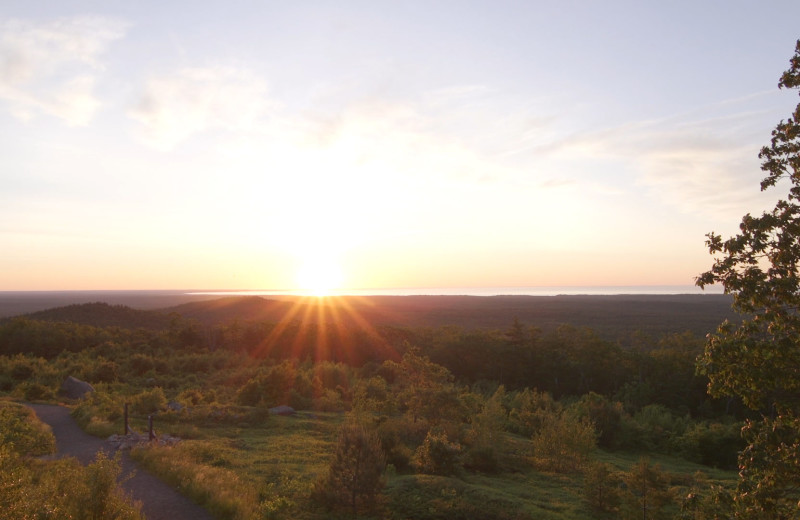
[126, 420]
[150, 426]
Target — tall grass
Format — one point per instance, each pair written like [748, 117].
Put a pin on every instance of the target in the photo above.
[222, 491]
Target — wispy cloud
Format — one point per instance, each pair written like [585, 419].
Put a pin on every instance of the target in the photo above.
[700, 162]
[52, 67]
[177, 106]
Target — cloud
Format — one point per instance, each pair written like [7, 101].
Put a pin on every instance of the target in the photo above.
[174, 107]
[52, 68]
[700, 163]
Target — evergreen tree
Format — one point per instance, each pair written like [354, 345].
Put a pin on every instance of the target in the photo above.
[355, 475]
[647, 492]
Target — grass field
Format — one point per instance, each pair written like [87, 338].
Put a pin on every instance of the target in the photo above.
[268, 471]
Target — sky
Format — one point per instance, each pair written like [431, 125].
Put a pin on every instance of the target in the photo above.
[302, 145]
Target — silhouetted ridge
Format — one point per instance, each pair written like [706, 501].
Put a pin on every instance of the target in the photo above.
[228, 309]
[99, 314]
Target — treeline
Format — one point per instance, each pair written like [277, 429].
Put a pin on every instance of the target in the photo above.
[566, 361]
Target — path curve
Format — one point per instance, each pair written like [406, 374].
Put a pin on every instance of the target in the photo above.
[159, 500]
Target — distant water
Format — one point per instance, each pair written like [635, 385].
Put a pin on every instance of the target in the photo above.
[490, 291]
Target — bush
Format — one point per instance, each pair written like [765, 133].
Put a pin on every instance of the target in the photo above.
[529, 410]
[149, 401]
[355, 475]
[563, 443]
[482, 458]
[714, 444]
[141, 364]
[34, 392]
[330, 401]
[104, 371]
[62, 489]
[20, 428]
[399, 438]
[606, 416]
[438, 456]
[270, 387]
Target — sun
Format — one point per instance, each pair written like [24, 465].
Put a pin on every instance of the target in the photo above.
[319, 276]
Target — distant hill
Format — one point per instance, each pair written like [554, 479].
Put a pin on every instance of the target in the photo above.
[99, 314]
[615, 317]
[228, 309]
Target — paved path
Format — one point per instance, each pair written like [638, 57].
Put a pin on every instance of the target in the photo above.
[159, 500]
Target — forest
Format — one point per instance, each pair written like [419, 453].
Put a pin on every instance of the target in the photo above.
[528, 420]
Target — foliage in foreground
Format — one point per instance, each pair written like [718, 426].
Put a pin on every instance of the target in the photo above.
[57, 490]
[62, 490]
[759, 360]
[23, 432]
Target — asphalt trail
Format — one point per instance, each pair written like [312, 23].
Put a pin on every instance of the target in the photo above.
[159, 500]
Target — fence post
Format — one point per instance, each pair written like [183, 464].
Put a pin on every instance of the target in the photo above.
[126, 420]
[150, 426]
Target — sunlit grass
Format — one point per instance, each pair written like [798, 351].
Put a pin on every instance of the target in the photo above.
[268, 471]
[253, 472]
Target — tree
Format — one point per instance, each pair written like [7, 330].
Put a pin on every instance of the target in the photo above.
[355, 475]
[646, 492]
[426, 389]
[758, 359]
[601, 488]
[563, 442]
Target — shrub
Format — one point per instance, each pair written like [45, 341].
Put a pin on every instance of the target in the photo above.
[104, 371]
[270, 387]
[21, 370]
[20, 428]
[355, 475]
[714, 444]
[606, 416]
[62, 489]
[399, 438]
[149, 401]
[563, 443]
[529, 410]
[250, 393]
[330, 401]
[482, 458]
[438, 456]
[31, 391]
[141, 364]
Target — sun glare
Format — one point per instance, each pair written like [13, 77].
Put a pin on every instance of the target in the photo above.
[319, 277]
